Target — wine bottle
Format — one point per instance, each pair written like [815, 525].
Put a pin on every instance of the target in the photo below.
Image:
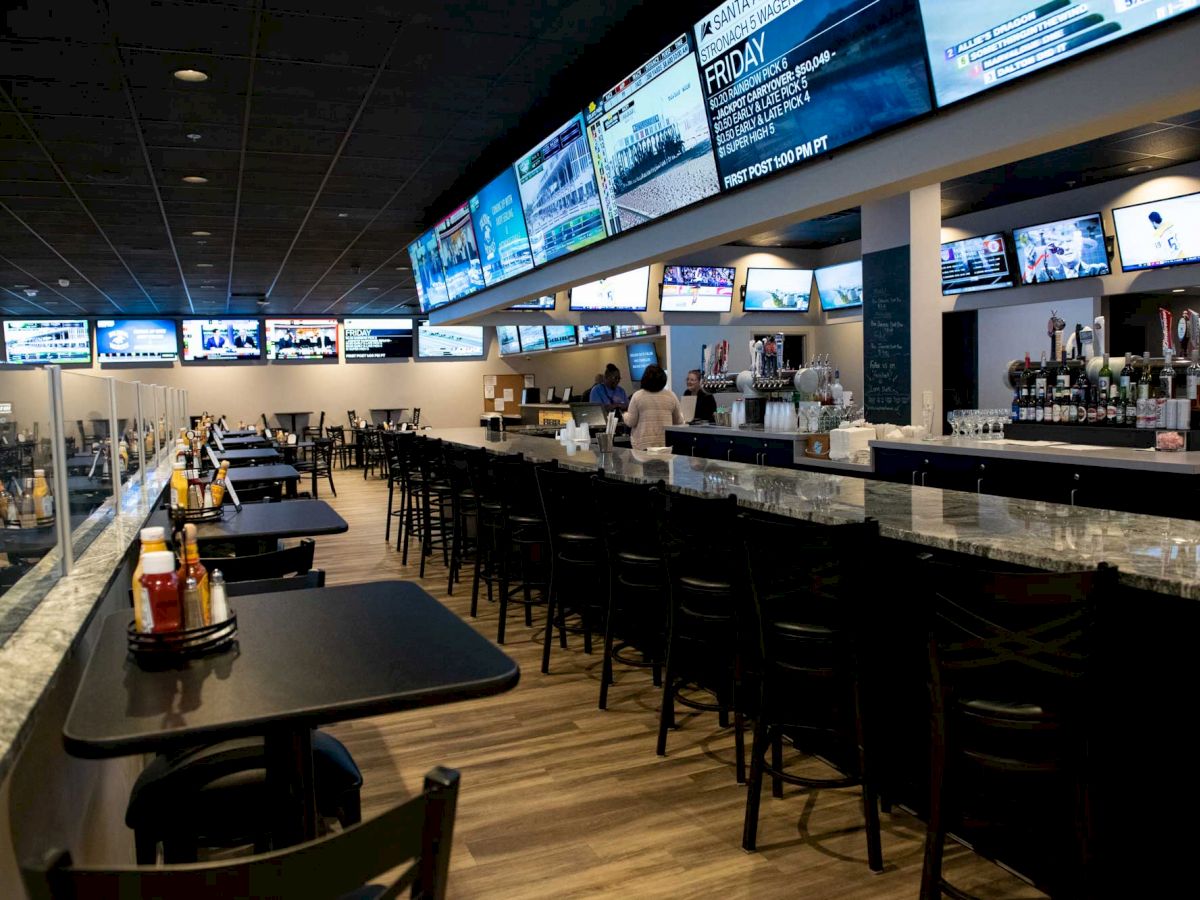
[1125, 396]
[1104, 387]
[1039, 383]
[1145, 416]
[1083, 390]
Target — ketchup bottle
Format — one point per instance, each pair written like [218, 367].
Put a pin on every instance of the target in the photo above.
[162, 586]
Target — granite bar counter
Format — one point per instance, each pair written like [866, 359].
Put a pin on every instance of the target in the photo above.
[1154, 553]
[1081, 454]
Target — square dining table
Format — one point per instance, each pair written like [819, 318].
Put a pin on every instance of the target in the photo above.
[301, 659]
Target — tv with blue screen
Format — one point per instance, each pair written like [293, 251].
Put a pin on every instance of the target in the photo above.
[500, 233]
[595, 334]
[785, 83]
[544, 302]
[136, 340]
[640, 356]
[460, 255]
[1063, 250]
[977, 46]
[651, 142]
[558, 336]
[426, 258]
[533, 338]
[510, 341]
[777, 290]
[841, 286]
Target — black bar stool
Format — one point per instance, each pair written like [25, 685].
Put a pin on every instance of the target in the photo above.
[577, 561]
[811, 600]
[636, 615]
[706, 590]
[1013, 721]
[465, 476]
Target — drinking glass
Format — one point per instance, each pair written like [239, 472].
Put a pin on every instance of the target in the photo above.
[927, 420]
[952, 419]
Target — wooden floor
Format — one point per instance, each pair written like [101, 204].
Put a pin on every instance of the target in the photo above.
[560, 799]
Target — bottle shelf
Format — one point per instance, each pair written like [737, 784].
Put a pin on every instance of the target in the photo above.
[1104, 435]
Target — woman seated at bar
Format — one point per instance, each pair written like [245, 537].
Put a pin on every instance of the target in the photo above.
[651, 410]
[706, 403]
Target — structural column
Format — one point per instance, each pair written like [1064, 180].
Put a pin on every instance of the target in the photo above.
[902, 308]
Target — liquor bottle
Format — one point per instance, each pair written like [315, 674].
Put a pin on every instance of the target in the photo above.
[1064, 389]
[1166, 391]
[1028, 390]
[1016, 407]
[1144, 390]
[1193, 383]
[1095, 414]
[1126, 398]
[1083, 392]
[1039, 405]
[1105, 388]
[1039, 382]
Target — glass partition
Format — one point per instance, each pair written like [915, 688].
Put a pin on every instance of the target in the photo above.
[148, 441]
[30, 563]
[129, 425]
[88, 416]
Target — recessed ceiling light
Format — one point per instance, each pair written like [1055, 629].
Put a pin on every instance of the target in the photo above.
[343, 215]
[195, 179]
[1139, 168]
[1178, 290]
[201, 233]
[372, 289]
[204, 265]
[191, 75]
[64, 282]
[193, 136]
[401, 268]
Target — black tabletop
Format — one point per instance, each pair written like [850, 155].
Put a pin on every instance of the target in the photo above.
[303, 412]
[303, 658]
[256, 474]
[79, 484]
[288, 519]
[239, 432]
[241, 443]
[247, 454]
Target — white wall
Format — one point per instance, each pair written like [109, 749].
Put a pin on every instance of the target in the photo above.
[1007, 332]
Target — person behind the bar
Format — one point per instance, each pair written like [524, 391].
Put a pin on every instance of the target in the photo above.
[609, 393]
[706, 403]
[651, 410]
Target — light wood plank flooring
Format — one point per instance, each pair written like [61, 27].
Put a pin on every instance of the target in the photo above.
[560, 799]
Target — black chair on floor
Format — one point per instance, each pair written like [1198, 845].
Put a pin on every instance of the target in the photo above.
[812, 597]
[341, 450]
[512, 560]
[418, 832]
[373, 453]
[319, 465]
[1014, 706]
[430, 512]
[635, 617]
[277, 564]
[465, 476]
[313, 578]
[216, 796]
[271, 492]
[578, 566]
[707, 607]
[312, 432]
[403, 475]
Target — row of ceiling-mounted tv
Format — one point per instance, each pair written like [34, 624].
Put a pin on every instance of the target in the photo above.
[132, 341]
[754, 88]
[1151, 235]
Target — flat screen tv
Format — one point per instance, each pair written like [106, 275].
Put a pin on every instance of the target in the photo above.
[533, 338]
[558, 336]
[426, 258]
[621, 332]
[624, 292]
[302, 339]
[510, 341]
[777, 290]
[1062, 251]
[697, 289]
[559, 194]
[788, 82]
[650, 140]
[595, 334]
[460, 255]
[449, 341]
[500, 233]
[546, 302]
[640, 356]
[1159, 233]
[976, 46]
[377, 339]
[206, 340]
[976, 264]
[136, 340]
[39, 342]
[841, 286]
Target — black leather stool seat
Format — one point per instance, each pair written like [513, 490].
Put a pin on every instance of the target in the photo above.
[704, 585]
[217, 794]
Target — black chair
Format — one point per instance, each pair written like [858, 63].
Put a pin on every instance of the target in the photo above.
[812, 598]
[707, 605]
[218, 796]
[578, 567]
[319, 465]
[268, 492]
[1014, 705]
[341, 449]
[276, 564]
[636, 615]
[434, 503]
[465, 476]
[403, 474]
[421, 830]
[373, 453]
[313, 432]
[513, 554]
[313, 578]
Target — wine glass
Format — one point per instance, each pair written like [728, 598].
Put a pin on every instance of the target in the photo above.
[952, 419]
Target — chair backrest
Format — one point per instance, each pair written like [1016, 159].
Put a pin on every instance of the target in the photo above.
[419, 830]
[695, 531]
[567, 502]
[271, 492]
[337, 434]
[627, 514]
[323, 453]
[291, 561]
[313, 578]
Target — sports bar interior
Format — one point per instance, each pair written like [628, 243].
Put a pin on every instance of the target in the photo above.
[561, 448]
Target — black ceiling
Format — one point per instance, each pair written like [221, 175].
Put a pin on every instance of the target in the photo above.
[327, 129]
[1156, 145]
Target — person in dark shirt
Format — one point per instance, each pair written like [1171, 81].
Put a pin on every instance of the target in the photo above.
[706, 403]
[610, 394]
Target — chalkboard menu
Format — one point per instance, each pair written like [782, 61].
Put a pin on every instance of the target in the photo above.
[887, 336]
